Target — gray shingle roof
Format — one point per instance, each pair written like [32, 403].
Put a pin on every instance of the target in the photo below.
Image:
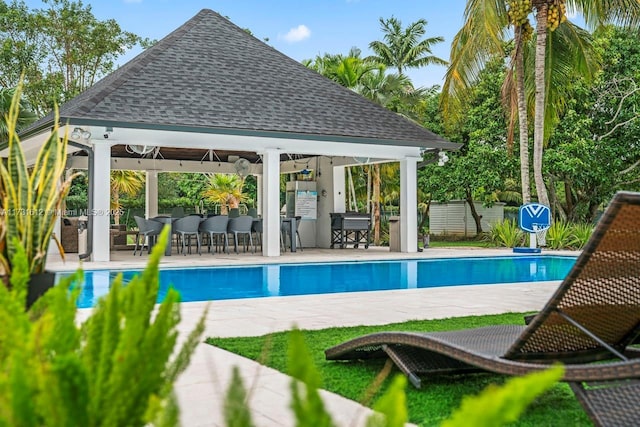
[211, 75]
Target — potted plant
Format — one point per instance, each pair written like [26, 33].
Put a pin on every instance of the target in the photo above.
[31, 202]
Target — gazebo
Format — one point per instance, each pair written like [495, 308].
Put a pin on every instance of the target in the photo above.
[210, 93]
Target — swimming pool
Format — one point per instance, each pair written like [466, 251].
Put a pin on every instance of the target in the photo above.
[256, 281]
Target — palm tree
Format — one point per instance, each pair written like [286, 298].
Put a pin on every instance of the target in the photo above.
[225, 190]
[485, 36]
[25, 115]
[348, 71]
[123, 182]
[393, 91]
[549, 14]
[404, 48]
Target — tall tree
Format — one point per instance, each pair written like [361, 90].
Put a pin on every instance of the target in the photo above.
[25, 116]
[481, 169]
[401, 49]
[346, 70]
[405, 48]
[369, 78]
[61, 50]
[549, 15]
[485, 36]
[593, 152]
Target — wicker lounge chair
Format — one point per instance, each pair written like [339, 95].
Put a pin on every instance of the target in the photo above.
[610, 403]
[593, 316]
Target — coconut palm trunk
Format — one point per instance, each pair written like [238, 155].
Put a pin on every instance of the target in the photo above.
[538, 126]
[522, 116]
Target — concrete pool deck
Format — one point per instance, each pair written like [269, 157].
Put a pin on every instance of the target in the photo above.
[201, 387]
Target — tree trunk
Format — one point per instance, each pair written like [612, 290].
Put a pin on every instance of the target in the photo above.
[557, 210]
[538, 127]
[474, 213]
[376, 204]
[522, 118]
[369, 184]
[593, 211]
[353, 203]
[568, 195]
[115, 197]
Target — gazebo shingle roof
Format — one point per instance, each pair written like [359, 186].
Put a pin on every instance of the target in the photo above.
[212, 76]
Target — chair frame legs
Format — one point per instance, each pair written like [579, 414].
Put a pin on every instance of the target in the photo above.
[235, 242]
[183, 237]
[146, 241]
[216, 235]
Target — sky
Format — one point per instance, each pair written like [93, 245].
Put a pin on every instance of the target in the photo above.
[301, 29]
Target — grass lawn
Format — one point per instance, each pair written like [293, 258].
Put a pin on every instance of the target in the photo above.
[438, 396]
[460, 244]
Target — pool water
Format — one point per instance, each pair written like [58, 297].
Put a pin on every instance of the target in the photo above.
[257, 281]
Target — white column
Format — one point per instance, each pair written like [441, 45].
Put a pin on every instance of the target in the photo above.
[151, 194]
[259, 194]
[101, 201]
[339, 186]
[409, 204]
[271, 202]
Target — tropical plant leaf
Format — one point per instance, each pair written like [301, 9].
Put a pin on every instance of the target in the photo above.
[499, 405]
[31, 200]
[391, 408]
[236, 408]
[306, 402]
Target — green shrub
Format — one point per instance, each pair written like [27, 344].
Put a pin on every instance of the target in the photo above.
[559, 235]
[580, 235]
[115, 369]
[506, 233]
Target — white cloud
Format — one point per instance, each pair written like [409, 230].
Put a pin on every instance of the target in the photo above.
[297, 34]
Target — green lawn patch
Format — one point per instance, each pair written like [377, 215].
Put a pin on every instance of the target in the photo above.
[460, 244]
[439, 396]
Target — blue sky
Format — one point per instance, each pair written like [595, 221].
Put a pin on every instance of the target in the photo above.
[300, 29]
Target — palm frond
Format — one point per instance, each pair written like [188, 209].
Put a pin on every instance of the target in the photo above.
[480, 39]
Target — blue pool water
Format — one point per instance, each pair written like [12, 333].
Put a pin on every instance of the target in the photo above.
[219, 283]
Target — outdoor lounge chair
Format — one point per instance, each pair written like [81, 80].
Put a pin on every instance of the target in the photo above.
[594, 315]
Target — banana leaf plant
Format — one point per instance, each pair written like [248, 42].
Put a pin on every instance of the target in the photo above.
[31, 198]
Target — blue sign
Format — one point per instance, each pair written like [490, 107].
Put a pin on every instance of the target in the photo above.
[534, 217]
